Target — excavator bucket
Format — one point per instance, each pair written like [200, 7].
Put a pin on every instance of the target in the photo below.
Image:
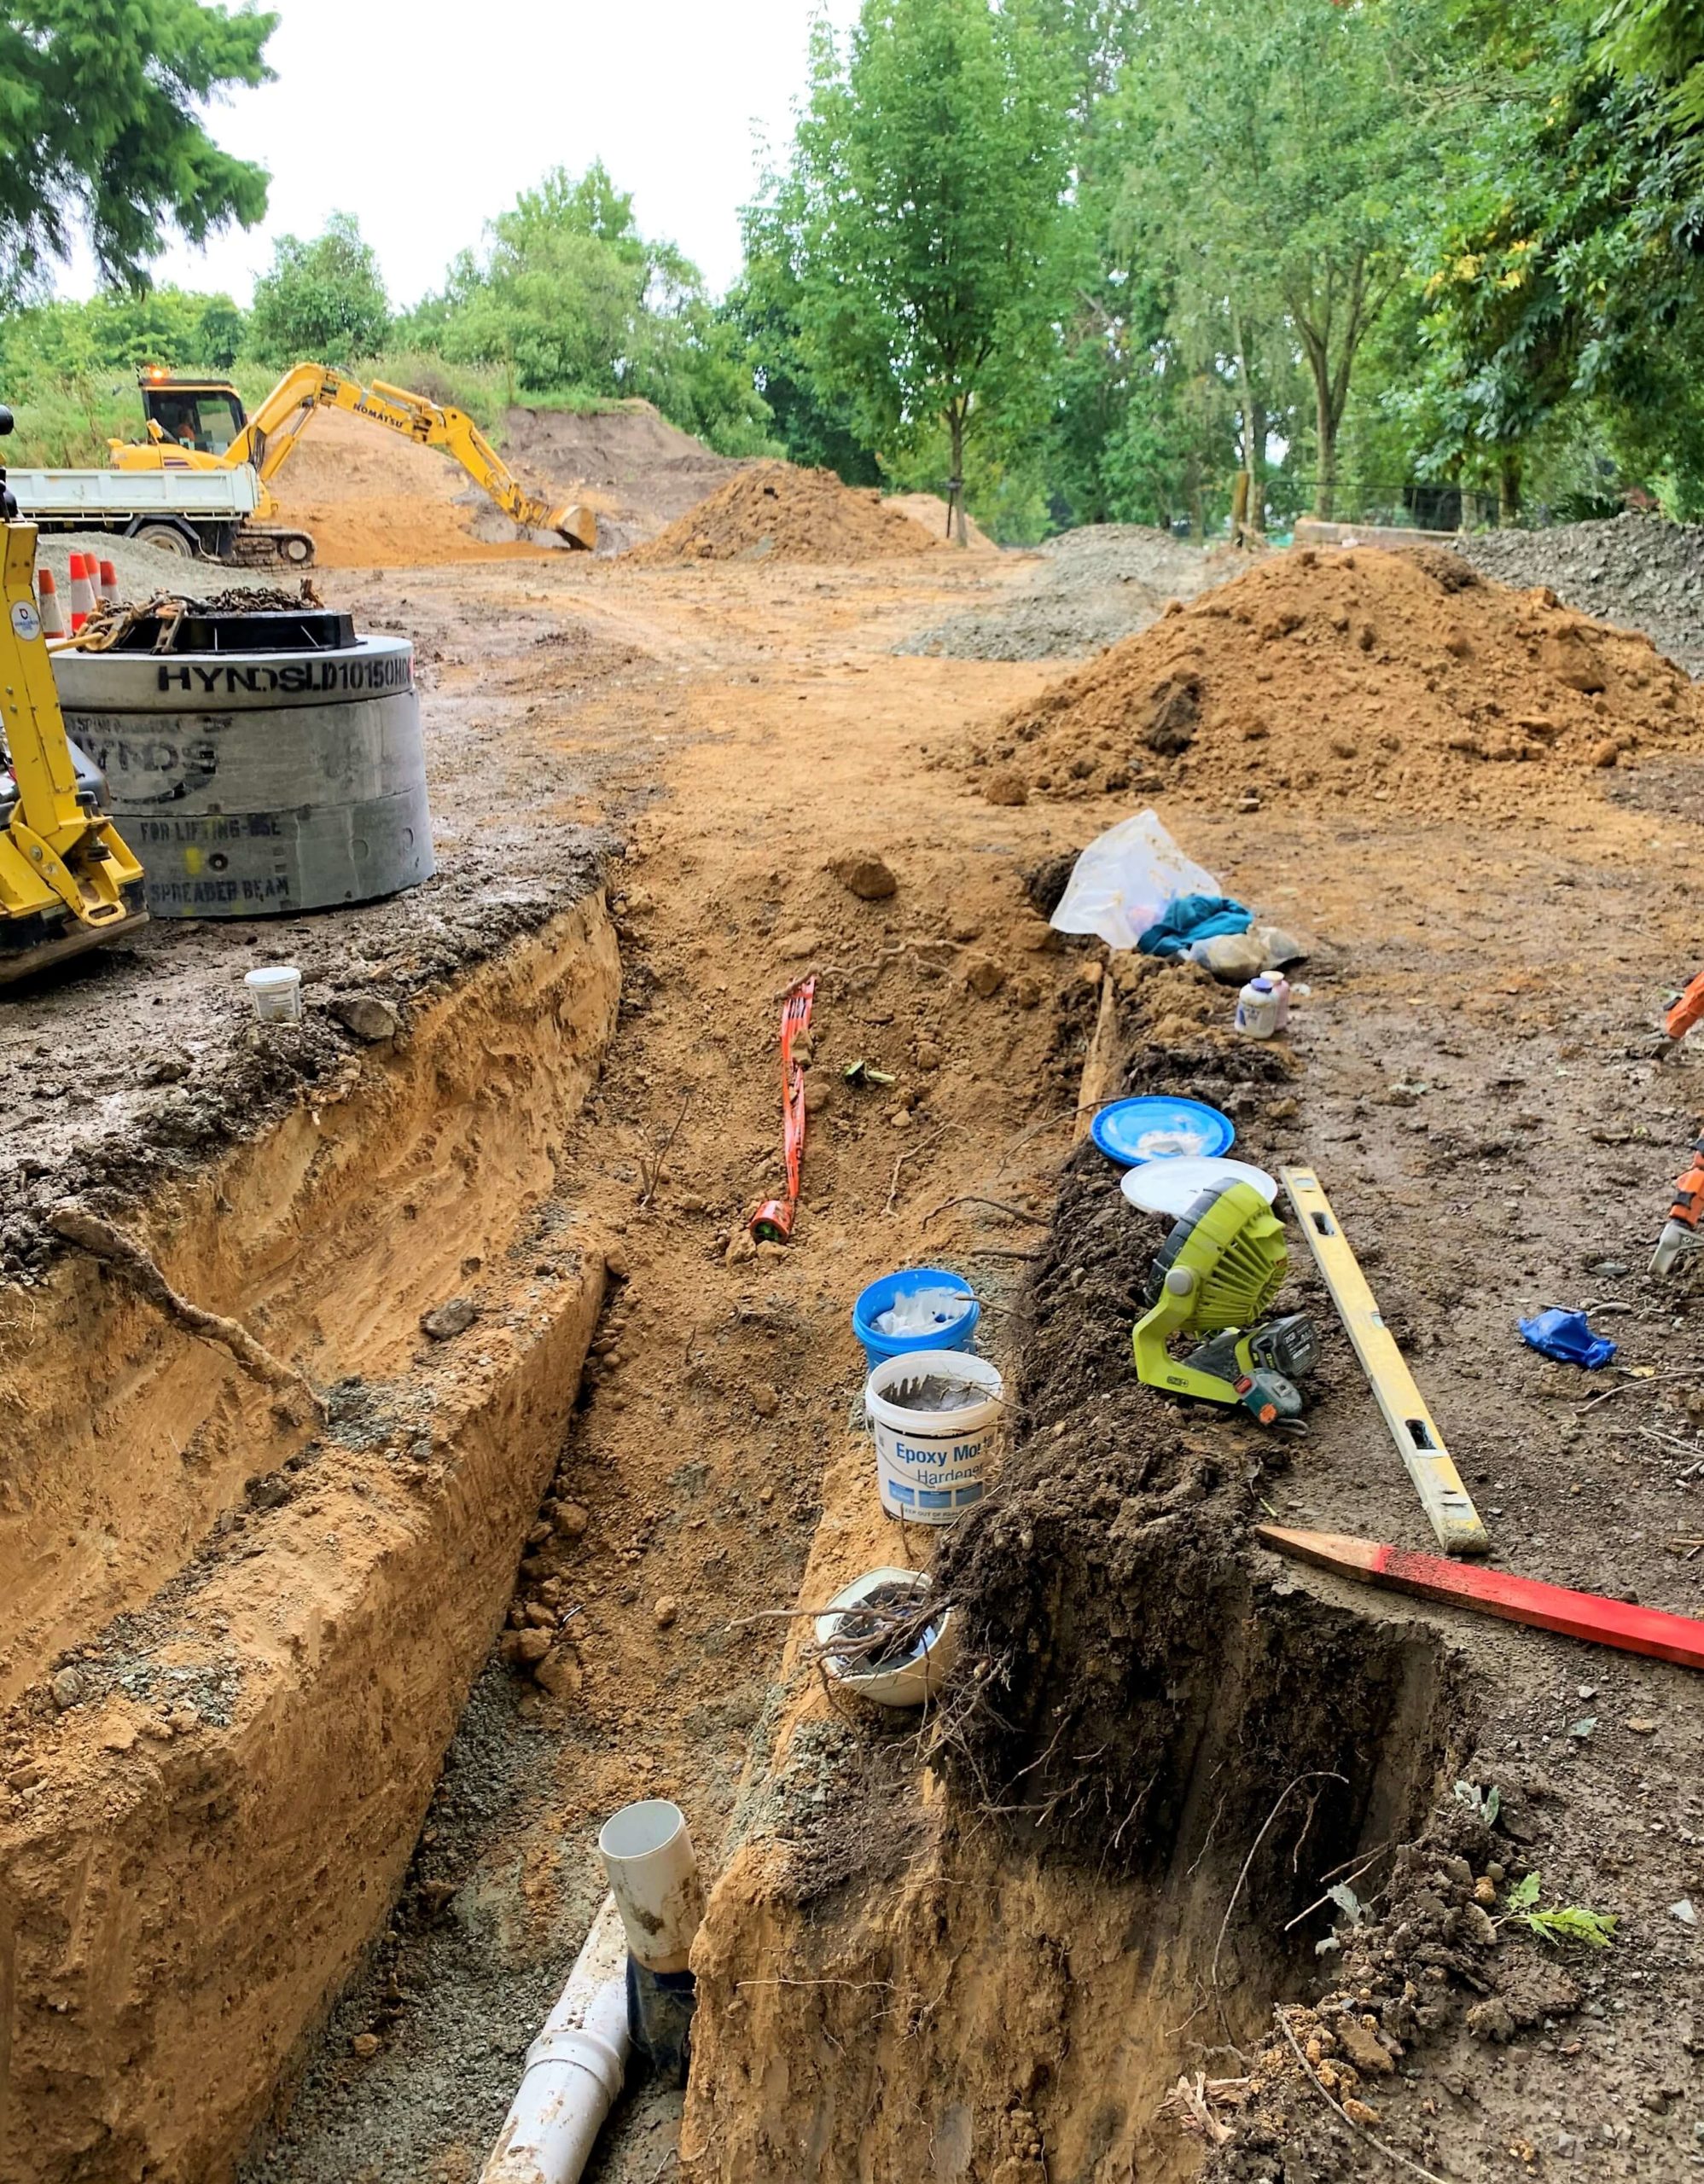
[579, 526]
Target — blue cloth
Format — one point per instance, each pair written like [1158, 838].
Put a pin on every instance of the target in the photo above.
[1565, 1336]
[1192, 918]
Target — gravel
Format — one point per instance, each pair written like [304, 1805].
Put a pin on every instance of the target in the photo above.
[144, 570]
[1637, 570]
[1091, 588]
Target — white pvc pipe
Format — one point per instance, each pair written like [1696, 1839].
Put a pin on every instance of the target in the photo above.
[654, 1877]
[574, 2070]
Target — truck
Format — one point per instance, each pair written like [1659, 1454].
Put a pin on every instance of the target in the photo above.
[187, 512]
[199, 482]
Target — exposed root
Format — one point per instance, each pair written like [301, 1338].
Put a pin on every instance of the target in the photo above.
[113, 1247]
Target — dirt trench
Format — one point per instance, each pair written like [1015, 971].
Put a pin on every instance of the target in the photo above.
[983, 1958]
[290, 1609]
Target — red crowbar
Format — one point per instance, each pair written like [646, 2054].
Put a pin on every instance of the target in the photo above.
[1590, 1616]
[772, 1223]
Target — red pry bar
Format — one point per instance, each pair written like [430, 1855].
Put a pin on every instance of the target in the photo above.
[1590, 1616]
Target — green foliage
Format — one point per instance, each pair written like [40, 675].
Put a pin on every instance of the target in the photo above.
[567, 293]
[924, 220]
[763, 309]
[1487, 1804]
[69, 369]
[321, 302]
[1572, 1924]
[99, 119]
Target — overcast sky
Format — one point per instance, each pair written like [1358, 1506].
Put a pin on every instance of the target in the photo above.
[424, 121]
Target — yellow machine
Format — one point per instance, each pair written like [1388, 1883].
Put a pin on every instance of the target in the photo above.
[68, 880]
[196, 423]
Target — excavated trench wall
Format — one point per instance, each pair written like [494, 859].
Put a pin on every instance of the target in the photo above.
[272, 1622]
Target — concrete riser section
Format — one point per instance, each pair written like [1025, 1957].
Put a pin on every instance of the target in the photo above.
[272, 1624]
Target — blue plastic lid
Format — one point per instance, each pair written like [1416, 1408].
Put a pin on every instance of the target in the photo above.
[1159, 1127]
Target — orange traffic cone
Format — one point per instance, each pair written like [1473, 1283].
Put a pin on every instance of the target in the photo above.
[82, 591]
[53, 615]
[109, 584]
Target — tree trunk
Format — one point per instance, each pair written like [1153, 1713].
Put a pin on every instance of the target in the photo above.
[1253, 428]
[1325, 426]
[955, 423]
[1508, 486]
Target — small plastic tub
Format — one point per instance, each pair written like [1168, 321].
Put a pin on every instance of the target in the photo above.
[959, 1335]
[904, 1682]
[277, 993]
[929, 1465]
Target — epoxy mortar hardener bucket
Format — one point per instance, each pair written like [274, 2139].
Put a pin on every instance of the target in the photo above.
[929, 1464]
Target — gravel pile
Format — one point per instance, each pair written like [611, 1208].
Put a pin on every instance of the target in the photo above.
[1634, 570]
[1094, 587]
[142, 569]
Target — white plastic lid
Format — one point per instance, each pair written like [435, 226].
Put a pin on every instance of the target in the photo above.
[272, 978]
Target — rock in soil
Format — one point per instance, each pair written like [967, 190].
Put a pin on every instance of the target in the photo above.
[450, 1319]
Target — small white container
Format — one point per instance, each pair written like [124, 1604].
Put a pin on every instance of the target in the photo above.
[929, 1464]
[1260, 1008]
[908, 1682]
[277, 993]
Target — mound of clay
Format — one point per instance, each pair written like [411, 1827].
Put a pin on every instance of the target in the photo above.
[776, 512]
[374, 500]
[1355, 674]
[625, 459]
[1636, 569]
[1091, 588]
[930, 510]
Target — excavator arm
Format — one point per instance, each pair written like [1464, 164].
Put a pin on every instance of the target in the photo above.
[276, 426]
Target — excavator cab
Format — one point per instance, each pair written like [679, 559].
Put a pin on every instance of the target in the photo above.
[205, 415]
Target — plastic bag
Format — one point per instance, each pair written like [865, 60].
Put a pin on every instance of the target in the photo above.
[1122, 882]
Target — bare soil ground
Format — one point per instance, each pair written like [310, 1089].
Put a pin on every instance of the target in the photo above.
[1474, 1082]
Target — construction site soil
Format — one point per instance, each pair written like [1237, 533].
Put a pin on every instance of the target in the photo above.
[1357, 676]
[774, 511]
[1086, 590]
[255, 1919]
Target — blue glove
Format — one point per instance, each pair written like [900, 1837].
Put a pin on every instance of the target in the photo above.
[1565, 1336]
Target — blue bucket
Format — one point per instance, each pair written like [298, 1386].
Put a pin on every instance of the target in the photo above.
[880, 1296]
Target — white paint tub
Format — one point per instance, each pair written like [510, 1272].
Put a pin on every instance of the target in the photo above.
[929, 1465]
[277, 993]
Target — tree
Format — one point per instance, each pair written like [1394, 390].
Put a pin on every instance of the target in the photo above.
[931, 167]
[99, 119]
[1559, 268]
[569, 296]
[764, 308]
[323, 301]
[1278, 155]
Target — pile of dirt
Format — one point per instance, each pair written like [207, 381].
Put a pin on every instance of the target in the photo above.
[775, 511]
[625, 460]
[1093, 587]
[1634, 570]
[374, 500]
[930, 510]
[1357, 675]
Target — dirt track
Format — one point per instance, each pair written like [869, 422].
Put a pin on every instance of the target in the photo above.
[740, 728]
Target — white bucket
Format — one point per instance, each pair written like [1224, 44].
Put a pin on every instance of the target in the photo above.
[277, 993]
[928, 1464]
[905, 1683]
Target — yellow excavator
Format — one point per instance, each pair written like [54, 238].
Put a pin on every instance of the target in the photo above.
[196, 423]
[68, 880]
